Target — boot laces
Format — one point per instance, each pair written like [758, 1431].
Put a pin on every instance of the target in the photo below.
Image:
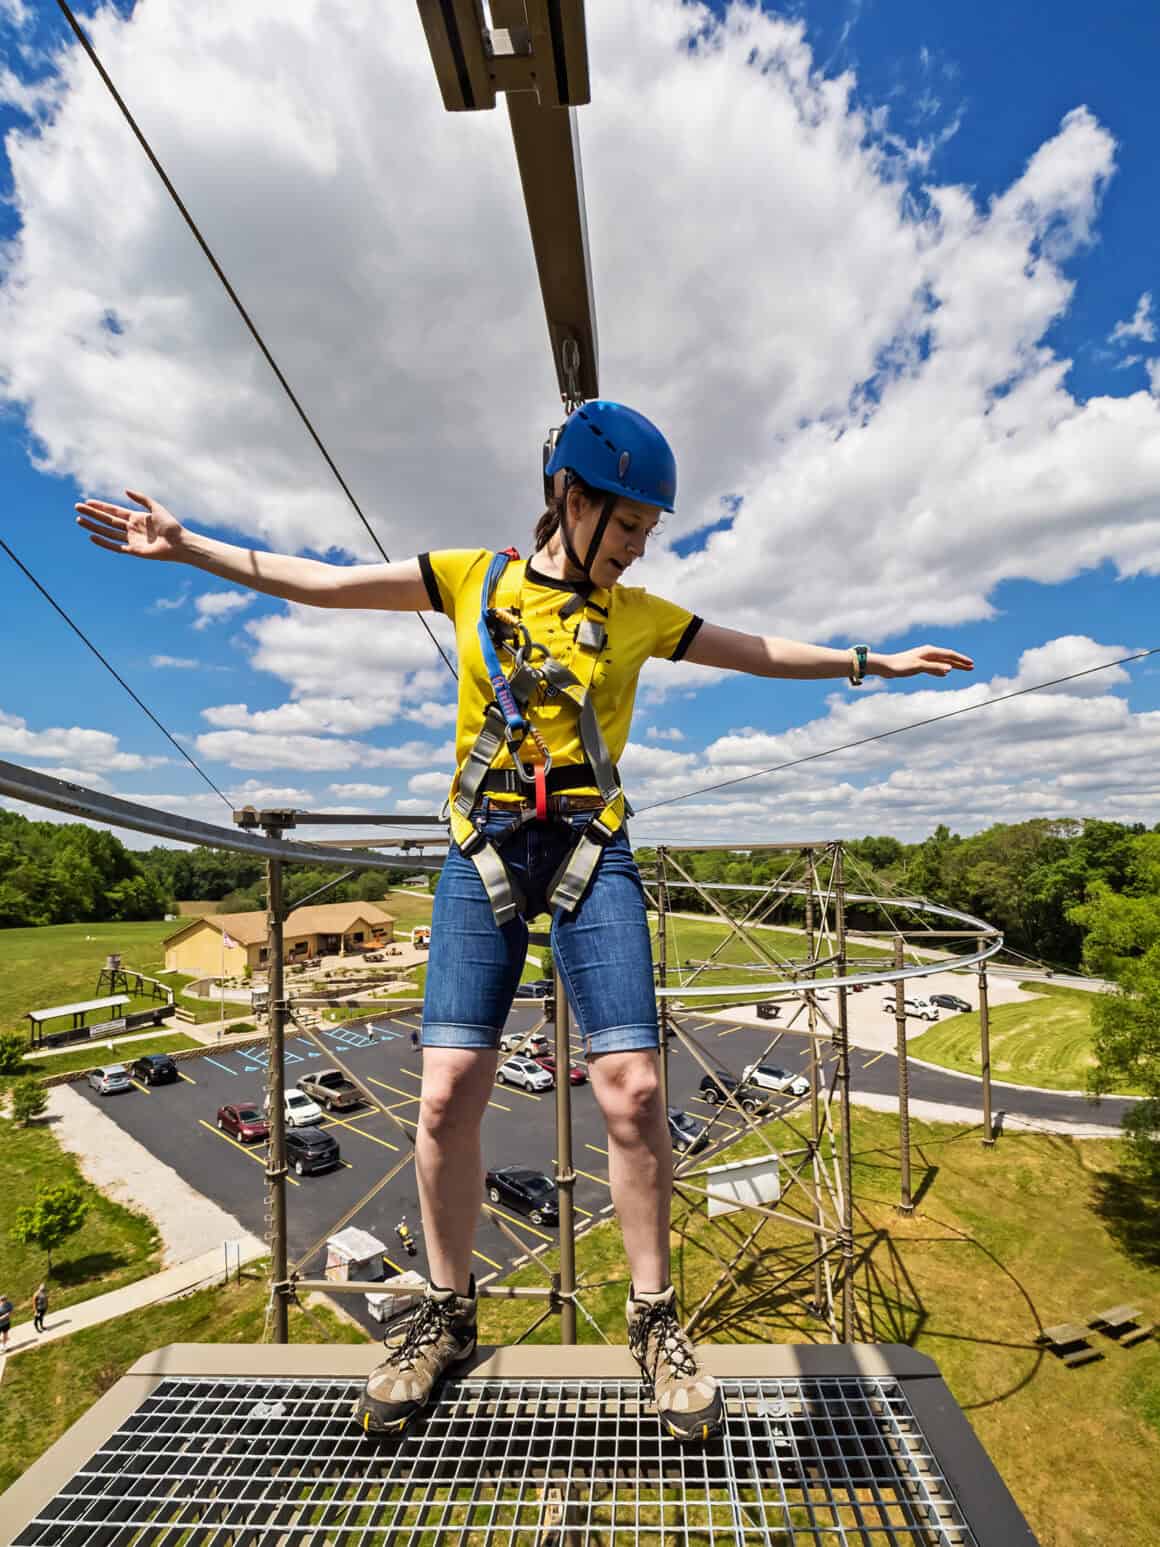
[431, 1320]
[671, 1344]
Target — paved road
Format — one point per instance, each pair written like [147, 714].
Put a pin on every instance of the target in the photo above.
[177, 1124]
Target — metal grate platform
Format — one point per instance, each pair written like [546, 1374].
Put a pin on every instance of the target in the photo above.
[826, 1458]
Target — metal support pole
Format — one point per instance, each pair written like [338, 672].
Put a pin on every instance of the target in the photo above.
[664, 1027]
[985, 1057]
[565, 1176]
[842, 1044]
[275, 1095]
[905, 1203]
[819, 1304]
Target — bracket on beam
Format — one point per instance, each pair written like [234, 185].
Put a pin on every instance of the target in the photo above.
[545, 53]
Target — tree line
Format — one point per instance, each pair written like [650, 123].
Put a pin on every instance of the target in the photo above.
[1029, 879]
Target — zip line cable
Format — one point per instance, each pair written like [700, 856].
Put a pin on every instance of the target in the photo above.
[52, 602]
[847, 746]
[242, 312]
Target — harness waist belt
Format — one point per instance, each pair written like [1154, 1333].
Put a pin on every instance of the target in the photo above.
[506, 781]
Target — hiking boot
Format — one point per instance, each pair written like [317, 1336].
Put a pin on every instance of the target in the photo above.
[441, 1333]
[687, 1400]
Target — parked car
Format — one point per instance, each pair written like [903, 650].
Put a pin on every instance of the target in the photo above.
[949, 1002]
[331, 1089]
[529, 1192]
[577, 1073]
[244, 1120]
[771, 1077]
[300, 1111]
[768, 1011]
[721, 1084]
[109, 1079]
[922, 1009]
[688, 1135]
[154, 1069]
[538, 988]
[525, 1072]
[310, 1149]
[536, 1047]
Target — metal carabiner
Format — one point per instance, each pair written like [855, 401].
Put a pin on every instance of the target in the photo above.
[527, 771]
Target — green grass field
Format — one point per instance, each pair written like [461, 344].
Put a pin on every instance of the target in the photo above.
[47, 1389]
[59, 963]
[89, 1055]
[113, 1247]
[1036, 1231]
[1043, 1041]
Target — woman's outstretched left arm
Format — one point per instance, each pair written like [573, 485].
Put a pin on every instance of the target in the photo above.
[767, 656]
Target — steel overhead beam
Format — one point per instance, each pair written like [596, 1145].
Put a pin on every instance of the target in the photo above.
[536, 54]
[39, 789]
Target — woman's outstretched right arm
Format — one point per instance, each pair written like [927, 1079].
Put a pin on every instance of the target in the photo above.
[154, 533]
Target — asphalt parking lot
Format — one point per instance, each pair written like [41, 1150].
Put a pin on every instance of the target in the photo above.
[177, 1123]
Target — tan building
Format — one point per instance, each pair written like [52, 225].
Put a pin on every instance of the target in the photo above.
[235, 941]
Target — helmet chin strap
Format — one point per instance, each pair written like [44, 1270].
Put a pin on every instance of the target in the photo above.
[585, 565]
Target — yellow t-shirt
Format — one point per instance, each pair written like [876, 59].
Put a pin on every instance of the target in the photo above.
[638, 626]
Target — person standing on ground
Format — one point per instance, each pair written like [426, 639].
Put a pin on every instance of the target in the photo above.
[40, 1307]
[6, 1309]
[550, 651]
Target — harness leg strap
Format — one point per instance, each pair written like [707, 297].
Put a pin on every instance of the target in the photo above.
[572, 879]
[506, 898]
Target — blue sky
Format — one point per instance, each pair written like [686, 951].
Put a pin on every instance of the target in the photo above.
[960, 97]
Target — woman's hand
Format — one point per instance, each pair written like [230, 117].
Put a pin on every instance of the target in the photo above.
[151, 533]
[933, 660]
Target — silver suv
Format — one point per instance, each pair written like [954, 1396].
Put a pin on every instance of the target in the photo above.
[110, 1079]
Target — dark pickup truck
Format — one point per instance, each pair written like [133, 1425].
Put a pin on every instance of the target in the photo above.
[331, 1089]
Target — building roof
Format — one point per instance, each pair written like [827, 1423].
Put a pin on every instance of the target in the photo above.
[327, 918]
[113, 1002]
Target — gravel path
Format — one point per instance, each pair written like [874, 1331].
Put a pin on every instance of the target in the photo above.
[189, 1224]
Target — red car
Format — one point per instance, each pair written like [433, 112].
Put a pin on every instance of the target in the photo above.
[577, 1073]
[244, 1120]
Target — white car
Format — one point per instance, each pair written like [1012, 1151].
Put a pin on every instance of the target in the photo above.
[770, 1077]
[526, 1072]
[110, 1079]
[300, 1111]
[922, 1009]
[536, 1047]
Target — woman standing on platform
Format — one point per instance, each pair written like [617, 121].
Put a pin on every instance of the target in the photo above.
[549, 655]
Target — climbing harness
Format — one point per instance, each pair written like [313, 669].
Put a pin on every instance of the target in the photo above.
[534, 676]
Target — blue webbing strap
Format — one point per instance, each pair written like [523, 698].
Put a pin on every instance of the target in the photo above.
[517, 726]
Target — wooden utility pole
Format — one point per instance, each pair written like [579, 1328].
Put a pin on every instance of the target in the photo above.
[565, 1176]
[905, 1205]
[820, 1305]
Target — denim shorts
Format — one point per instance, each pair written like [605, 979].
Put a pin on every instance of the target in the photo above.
[602, 948]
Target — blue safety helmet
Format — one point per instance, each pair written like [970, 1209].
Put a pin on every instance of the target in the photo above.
[614, 448]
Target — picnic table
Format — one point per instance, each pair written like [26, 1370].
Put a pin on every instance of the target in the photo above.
[1069, 1343]
[1123, 1324]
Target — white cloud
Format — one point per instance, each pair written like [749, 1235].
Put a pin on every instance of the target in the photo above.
[655, 734]
[434, 785]
[1076, 750]
[214, 605]
[312, 716]
[970, 462]
[168, 603]
[1153, 368]
[248, 749]
[360, 791]
[83, 750]
[175, 662]
[1142, 325]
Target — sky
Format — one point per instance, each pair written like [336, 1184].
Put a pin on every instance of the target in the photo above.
[885, 273]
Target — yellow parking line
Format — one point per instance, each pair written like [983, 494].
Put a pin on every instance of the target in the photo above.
[249, 1154]
[411, 1072]
[186, 1078]
[139, 1086]
[603, 1180]
[586, 1213]
[514, 1219]
[595, 1148]
[406, 1094]
[391, 1264]
[342, 1123]
[491, 1262]
[514, 1090]
[873, 1060]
